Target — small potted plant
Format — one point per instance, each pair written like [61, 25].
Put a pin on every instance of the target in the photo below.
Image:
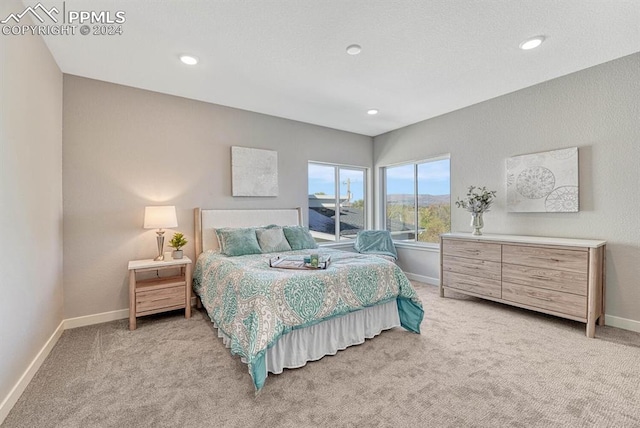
[177, 242]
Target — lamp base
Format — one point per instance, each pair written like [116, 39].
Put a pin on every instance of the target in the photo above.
[160, 239]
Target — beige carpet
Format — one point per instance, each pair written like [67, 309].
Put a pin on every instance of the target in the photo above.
[476, 363]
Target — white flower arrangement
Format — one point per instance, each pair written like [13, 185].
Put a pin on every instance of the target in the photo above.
[478, 200]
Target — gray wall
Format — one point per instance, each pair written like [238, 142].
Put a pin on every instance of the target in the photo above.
[598, 110]
[31, 201]
[125, 148]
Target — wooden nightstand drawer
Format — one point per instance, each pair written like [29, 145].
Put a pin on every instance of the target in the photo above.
[549, 258]
[473, 267]
[471, 249]
[564, 303]
[483, 286]
[148, 301]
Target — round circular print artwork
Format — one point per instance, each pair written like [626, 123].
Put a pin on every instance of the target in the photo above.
[563, 199]
[535, 182]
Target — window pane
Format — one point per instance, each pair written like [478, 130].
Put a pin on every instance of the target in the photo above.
[400, 200]
[352, 206]
[322, 202]
[434, 200]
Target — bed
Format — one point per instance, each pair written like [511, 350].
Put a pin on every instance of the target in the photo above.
[282, 318]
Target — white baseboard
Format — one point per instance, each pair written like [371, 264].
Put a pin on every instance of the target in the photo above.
[623, 323]
[96, 318]
[423, 278]
[119, 314]
[15, 393]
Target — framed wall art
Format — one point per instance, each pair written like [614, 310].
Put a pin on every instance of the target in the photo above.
[254, 172]
[543, 182]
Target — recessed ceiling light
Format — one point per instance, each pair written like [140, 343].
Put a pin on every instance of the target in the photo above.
[354, 49]
[532, 43]
[372, 111]
[188, 59]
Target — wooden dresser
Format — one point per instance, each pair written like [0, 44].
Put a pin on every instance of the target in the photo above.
[557, 276]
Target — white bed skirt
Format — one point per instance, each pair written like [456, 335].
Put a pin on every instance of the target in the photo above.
[297, 347]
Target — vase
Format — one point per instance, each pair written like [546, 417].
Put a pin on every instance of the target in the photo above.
[476, 223]
[177, 254]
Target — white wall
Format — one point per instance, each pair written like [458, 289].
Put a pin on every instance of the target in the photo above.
[598, 110]
[30, 202]
[125, 148]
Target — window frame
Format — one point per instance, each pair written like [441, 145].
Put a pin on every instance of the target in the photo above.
[383, 197]
[366, 196]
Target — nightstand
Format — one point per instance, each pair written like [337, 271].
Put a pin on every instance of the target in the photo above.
[161, 294]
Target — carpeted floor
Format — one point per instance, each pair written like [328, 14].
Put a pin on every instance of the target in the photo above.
[476, 363]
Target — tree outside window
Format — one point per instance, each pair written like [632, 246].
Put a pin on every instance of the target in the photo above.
[417, 200]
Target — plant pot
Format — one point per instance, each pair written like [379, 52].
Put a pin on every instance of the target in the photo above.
[477, 223]
[176, 254]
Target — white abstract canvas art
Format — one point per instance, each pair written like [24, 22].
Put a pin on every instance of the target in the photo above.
[254, 172]
[543, 182]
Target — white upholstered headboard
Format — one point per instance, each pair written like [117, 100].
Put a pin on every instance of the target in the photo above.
[206, 221]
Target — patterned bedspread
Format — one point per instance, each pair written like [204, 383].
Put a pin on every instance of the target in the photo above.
[254, 304]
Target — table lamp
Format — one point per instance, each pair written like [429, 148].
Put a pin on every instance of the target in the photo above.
[160, 217]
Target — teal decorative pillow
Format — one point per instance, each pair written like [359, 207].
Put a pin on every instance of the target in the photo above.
[238, 242]
[299, 238]
[272, 239]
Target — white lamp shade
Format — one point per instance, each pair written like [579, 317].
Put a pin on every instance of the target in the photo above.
[163, 217]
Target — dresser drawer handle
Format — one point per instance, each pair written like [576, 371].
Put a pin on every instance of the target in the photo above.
[543, 298]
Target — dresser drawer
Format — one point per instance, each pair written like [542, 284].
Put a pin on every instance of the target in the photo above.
[563, 303]
[473, 267]
[158, 299]
[473, 284]
[472, 249]
[550, 279]
[549, 258]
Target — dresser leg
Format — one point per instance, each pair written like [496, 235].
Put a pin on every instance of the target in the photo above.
[132, 299]
[591, 329]
[594, 291]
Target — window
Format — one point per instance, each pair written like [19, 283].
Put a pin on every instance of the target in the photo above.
[417, 200]
[337, 201]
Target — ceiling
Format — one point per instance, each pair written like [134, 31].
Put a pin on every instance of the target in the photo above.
[288, 58]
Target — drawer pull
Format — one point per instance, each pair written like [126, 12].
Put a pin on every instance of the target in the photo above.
[161, 299]
[541, 277]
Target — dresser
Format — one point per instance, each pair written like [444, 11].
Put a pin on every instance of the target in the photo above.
[558, 276]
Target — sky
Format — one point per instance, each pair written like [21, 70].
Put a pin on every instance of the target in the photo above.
[322, 179]
[433, 179]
